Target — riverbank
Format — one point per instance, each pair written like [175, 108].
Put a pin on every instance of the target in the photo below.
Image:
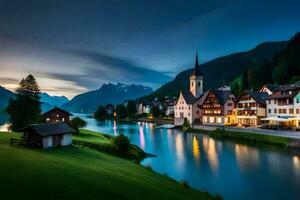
[252, 137]
[81, 173]
[104, 143]
[157, 121]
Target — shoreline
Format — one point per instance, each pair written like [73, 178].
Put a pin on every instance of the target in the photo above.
[250, 137]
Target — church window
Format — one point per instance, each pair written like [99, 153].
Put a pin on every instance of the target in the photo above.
[199, 84]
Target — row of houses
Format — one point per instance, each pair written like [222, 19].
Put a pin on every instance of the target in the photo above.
[271, 105]
[165, 105]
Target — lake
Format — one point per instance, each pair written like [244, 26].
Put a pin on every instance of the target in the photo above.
[235, 170]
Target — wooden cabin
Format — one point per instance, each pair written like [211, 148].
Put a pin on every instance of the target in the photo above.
[57, 115]
[48, 135]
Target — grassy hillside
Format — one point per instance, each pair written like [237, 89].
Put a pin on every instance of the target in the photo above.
[80, 173]
[230, 67]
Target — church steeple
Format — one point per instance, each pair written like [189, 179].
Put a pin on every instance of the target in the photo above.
[196, 79]
[197, 70]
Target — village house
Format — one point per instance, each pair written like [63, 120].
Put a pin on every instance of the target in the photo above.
[48, 135]
[283, 107]
[250, 108]
[217, 107]
[269, 88]
[187, 105]
[144, 108]
[56, 115]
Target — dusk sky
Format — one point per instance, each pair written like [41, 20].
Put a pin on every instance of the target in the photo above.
[72, 46]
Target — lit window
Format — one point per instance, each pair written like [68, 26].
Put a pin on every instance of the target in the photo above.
[47, 119]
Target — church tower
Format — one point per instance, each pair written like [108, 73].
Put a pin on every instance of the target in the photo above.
[196, 80]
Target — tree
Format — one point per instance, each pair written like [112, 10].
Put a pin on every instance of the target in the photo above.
[155, 111]
[186, 125]
[77, 123]
[131, 108]
[101, 113]
[121, 111]
[25, 108]
[122, 143]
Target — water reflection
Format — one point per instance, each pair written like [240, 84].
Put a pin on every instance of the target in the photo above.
[247, 157]
[179, 151]
[227, 168]
[196, 149]
[115, 127]
[142, 137]
[209, 147]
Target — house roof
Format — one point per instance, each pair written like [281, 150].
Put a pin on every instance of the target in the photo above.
[47, 129]
[56, 108]
[259, 97]
[222, 95]
[188, 97]
[284, 93]
[272, 87]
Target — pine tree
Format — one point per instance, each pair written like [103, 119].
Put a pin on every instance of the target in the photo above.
[25, 109]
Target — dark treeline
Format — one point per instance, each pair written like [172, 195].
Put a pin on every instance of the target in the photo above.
[284, 68]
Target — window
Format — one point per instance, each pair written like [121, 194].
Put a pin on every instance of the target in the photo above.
[298, 100]
[269, 111]
[284, 111]
[297, 111]
[57, 115]
[275, 111]
[269, 101]
[219, 120]
[199, 84]
[63, 119]
[47, 119]
[291, 111]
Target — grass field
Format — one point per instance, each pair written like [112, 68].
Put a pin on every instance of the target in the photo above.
[80, 173]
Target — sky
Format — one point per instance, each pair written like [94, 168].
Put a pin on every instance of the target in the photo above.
[73, 46]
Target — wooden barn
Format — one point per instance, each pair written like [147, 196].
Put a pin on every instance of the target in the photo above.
[48, 135]
[57, 115]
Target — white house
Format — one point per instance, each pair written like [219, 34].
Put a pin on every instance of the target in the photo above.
[187, 105]
[283, 106]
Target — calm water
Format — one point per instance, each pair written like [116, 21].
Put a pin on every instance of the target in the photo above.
[235, 170]
[232, 169]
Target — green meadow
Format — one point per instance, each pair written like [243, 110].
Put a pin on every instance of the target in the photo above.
[81, 173]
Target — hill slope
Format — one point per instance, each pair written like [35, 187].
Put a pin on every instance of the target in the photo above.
[108, 93]
[80, 173]
[221, 70]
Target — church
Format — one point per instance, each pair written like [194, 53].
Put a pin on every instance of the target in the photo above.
[213, 107]
[188, 103]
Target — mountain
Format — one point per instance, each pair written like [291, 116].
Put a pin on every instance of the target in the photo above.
[221, 70]
[5, 95]
[53, 100]
[283, 68]
[48, 101]
[107, 94]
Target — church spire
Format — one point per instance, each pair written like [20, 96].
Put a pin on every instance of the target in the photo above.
[198, 71]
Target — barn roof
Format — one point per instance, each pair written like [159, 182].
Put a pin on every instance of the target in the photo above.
[56, 108]
[47, 129]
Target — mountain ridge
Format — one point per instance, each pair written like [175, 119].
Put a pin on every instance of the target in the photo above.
[234, 64]
[108, 93]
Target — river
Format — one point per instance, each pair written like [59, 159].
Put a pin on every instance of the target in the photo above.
[235, 170]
